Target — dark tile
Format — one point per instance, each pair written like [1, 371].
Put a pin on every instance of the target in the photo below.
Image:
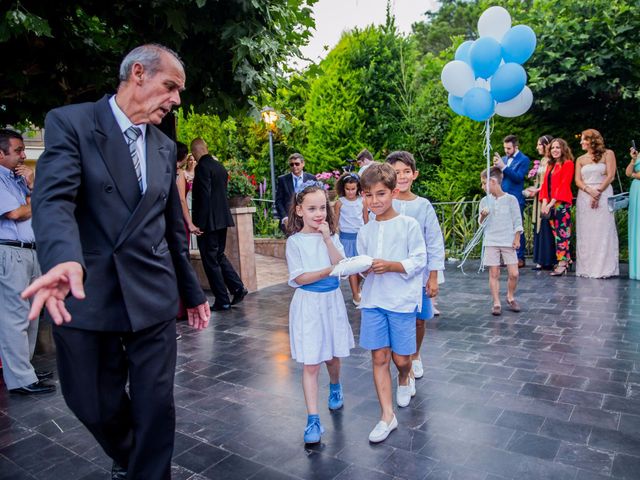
[629, 424]
[520, 421]
[584, 399]
[200, 457]
[615, 441]
[567, 381]
[626, 466]
[479, 413]
[233, 467]
[534, 445]
[313, 465]
[624, 405]
[565, 431]
[359, 473]
[595, 417]
[405, 464]
[611, 388]
[584, 457]
[540, 391]
[614, 364]
[71, 469]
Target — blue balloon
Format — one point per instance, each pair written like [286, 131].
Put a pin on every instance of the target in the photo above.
[462, 52]
[485, 56]
[456, 104]
[508, 82]
[478, 104]
[518, 44]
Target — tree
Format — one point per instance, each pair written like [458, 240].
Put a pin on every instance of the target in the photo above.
[57, 53]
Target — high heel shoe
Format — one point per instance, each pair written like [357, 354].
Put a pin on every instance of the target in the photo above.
[559, 270]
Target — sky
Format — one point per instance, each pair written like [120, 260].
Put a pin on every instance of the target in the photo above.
[335, 16]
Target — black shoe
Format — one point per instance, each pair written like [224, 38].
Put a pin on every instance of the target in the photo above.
[35, 388]
[239, 296]
[117, 472]
[43, 374]
[220, 306]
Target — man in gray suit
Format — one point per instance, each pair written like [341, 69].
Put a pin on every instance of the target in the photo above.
[109, 228]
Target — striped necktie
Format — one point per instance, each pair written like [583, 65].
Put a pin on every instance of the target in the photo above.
[132, 133]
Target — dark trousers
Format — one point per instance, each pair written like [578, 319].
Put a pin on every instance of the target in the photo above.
[523, 247]
[217, 267]
[136, 429]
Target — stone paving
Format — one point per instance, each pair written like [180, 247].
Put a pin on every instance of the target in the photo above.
[550, 393]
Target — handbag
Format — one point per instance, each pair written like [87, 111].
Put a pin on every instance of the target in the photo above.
[619, 200]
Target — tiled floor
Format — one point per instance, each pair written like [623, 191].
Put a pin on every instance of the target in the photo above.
[550, 393]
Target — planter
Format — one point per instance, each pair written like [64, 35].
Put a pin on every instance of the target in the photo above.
[239, 201]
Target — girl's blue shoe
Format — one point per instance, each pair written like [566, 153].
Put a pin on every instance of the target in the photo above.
[336, 399]
[314, 430]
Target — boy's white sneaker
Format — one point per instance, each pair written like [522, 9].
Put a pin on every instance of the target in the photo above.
[381, 431]
[418, 369]
[405, 392]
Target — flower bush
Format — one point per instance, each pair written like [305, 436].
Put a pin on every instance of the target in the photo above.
[240, 183]
[329, 179]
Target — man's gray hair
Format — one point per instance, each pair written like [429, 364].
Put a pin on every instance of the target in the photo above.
[148, 56]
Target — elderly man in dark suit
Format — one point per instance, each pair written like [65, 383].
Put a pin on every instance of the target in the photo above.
[514, 166]
[212, 216]
[109, 230]
[288, 184]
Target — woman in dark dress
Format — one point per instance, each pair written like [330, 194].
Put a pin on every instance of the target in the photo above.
[544, 243]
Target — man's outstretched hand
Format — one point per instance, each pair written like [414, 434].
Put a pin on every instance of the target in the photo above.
[52, 288]
[198, 317]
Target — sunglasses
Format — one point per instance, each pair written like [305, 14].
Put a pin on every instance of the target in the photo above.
[295, 164]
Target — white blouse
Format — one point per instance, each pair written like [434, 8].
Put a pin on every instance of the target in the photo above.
[307, 252]
[351, 219]
[399, 240]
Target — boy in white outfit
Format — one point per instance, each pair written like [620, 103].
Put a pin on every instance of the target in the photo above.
[502, 233]
[391, 294]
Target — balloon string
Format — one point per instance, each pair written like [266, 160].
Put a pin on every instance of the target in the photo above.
[477, 237]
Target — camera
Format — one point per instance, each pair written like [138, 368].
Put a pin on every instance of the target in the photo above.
[350, 165]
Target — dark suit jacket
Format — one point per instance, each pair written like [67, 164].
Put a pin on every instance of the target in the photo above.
[514, 175]
[284, 192]
[209, 196]
[87, 208]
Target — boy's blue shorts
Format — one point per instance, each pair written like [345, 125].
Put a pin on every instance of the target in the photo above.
[427, 308]
[380, 328]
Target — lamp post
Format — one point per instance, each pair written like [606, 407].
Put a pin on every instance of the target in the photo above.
[270, 117]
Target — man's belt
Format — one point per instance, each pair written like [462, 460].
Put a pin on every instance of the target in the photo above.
[15, 243]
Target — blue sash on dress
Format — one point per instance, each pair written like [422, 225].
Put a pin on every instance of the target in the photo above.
[328, 284]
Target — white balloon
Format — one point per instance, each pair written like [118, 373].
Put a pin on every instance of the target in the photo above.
[494, 22]
[516, 106]
[457, 77]
[482, 83]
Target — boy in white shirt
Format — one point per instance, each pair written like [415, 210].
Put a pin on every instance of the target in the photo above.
[391, 294]
[502, 233]
[410, 204]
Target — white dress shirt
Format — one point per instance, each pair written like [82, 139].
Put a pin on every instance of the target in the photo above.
[398, 240]
[141, 146]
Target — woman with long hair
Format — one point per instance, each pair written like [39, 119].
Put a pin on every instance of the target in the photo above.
[544, 243]
[596, 234]
[556, 198]
[633, 171]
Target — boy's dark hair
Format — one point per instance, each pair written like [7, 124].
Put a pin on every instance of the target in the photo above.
[295, 223]
[378, 173]
[494, 172]
[402, 156]
[364, 155]
[511, 139]
[347, 177]
[5, 135]
[181, 151]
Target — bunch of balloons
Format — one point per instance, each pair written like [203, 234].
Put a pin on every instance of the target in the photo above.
[487, 76]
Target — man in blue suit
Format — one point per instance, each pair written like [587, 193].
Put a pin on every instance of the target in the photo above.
[514, 166]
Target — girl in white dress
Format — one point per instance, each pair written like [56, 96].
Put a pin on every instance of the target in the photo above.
[351, 214]
[319, 329]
